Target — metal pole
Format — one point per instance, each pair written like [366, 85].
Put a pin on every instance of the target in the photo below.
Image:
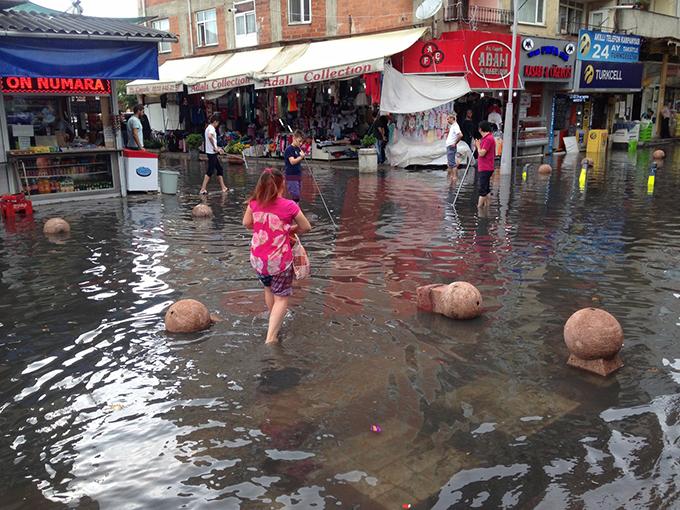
[506, 156]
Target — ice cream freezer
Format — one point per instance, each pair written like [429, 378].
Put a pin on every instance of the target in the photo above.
[141, 170]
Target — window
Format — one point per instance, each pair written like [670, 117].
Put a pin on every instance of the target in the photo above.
[532, 11]
[599, 20]
[206, 27]
[246, 26]
[299, 11]
[571, 17]
[164, 26]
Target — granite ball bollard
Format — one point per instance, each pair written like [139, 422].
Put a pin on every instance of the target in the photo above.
[56, 226]
[187, 316]
[586, 162]
[594, 339]
[202, 211]
[459, 300]
[544, 169]
[659, 154]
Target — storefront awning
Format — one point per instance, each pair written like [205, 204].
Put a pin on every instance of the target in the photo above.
[336, 59]
[173, 74]
[72, 46]
[403, 93]
[235, 70]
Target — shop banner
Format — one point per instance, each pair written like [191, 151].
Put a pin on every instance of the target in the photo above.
[78, 58]
[547, 60]
[329, 73]
[220, 84]
[603, 46]
[608, 76]
[154, 88]
[483, 57]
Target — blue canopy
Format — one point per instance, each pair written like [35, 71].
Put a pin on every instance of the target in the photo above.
[78, 58]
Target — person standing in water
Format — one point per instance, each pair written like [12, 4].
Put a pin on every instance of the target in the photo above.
[212, 150]
[486, 149]
[293, 157]
[455, 135]
[273, 220]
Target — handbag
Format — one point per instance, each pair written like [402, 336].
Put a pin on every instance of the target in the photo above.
[301, 265]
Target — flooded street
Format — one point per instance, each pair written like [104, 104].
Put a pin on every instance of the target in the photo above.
[100, 408]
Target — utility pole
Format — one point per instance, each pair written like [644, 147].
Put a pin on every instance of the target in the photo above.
[506, 156]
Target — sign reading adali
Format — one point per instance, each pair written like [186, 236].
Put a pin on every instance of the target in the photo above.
[603, 46]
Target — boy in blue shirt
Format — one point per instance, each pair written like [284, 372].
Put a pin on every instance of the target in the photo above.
[293, 157]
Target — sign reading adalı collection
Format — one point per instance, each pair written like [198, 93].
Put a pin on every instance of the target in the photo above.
[220, 84]
[329, 73]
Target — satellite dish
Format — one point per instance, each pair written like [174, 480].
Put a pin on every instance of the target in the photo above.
[428, 9]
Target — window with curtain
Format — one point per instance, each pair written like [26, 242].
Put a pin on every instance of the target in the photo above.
[163, 25]
[206, 27]
[571, 17]
[531, 11]
[299, 11]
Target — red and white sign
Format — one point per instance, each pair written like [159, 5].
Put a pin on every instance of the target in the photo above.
[155, 88]
[225, 84]
[329, 73]
[483, 57]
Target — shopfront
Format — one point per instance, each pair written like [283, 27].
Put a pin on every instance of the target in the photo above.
[60, 133]
[545, 114]
[59, 129]
[609, 73]
[483, 60]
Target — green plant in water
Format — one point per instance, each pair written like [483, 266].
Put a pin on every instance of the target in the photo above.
[368, 141]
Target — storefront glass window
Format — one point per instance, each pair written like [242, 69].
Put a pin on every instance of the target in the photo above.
[532, 11]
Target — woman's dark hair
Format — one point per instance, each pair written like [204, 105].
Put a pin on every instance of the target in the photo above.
[485, 126]
[215, 117]
[268, 186]
[138, 108]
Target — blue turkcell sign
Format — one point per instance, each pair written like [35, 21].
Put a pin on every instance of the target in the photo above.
[609, 76]
[143, 171]
[603, 46]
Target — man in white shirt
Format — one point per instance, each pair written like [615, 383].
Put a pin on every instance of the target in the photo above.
[212, 150]
[455, 136]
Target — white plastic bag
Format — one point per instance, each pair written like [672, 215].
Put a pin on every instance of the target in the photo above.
[301, 265]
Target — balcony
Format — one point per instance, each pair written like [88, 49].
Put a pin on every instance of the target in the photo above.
[647, 24]
[476, 14]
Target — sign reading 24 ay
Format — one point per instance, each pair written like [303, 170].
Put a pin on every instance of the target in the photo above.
[608, 47]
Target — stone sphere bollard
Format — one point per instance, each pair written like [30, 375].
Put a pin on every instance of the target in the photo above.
[187, 316]
[544, 169]
[586, 162]
[461, 300]
[594, 338]
[658, 154]
[55, 226]
[202, 211]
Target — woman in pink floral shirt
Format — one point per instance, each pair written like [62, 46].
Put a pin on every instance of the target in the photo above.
[273, 220]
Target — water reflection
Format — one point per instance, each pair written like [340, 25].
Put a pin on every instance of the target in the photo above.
[100, 406]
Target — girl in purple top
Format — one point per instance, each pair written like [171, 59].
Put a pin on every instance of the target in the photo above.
[273, 220]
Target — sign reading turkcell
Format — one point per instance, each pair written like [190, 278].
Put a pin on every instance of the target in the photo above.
[609, 76]
[603, 46]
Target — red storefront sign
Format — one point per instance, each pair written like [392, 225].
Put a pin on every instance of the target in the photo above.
[75, 86]
[484, 58]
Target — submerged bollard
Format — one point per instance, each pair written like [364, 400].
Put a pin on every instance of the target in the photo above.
[55, 226]
[544, 169]
[202, 211]
[187, 316]
[594, 338]
[458, 300]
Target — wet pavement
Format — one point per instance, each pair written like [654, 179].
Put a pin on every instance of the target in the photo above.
[100, 408]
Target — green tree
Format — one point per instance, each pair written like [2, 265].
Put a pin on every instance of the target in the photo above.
[125, 100]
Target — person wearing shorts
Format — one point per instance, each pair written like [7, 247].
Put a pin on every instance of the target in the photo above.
[455, 135]
[273, 220]
[486, 149]
[212, 150]
[293, 157]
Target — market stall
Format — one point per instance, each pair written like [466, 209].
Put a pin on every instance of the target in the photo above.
[59, 128]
